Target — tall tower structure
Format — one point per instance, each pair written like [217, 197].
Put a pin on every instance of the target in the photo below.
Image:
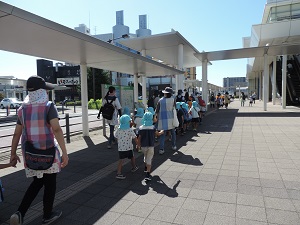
[120, 29]
[143, 31]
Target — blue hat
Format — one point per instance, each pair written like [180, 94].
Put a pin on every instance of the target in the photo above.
[148, 119]
[185, 106]
[178, 104]
[126, 111]
[195, 104]
[150, 109]
[139, 112]
[124, 122]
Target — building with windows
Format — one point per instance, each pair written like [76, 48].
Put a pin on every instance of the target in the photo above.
[279, 27]
[121, 31]
[233, 84]
[11, 87]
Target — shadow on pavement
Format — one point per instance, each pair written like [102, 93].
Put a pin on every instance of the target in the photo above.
[90, 204]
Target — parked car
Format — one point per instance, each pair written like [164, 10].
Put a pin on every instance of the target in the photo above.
[13, 103]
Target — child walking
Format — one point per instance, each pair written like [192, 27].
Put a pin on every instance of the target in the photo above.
[194, 110]
[146, 139]
[125, 134]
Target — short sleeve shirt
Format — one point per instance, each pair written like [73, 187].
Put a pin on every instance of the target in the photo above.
[125, 139]
[147, 134]
[51, 114]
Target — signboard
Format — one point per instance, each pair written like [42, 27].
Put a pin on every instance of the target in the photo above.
[68, 81]
[123, 93]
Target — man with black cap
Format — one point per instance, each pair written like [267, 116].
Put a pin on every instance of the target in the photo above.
[165, 116]
[38, 124]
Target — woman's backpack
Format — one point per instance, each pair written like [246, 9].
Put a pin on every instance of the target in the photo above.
[108, 109]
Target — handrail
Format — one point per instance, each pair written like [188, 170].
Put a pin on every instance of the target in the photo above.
[62, 126]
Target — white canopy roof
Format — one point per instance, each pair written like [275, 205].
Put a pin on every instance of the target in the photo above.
[25, 33]
[272, 50]
[165, 47]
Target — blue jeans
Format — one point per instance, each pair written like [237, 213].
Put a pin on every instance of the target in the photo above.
[111, 134]
[163, 136]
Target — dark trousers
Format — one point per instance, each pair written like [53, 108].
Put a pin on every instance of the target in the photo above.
[111, 134]
[49, 182]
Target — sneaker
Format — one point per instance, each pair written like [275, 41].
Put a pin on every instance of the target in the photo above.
[134, 169]
[174, 148]
[109, 146]
[145, 170]
[120, 176]
[16, 219]
[148, 177]
[194, 129]
[161, 151]
[54, 216]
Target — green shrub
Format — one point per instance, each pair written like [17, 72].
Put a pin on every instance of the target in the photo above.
[92, 104]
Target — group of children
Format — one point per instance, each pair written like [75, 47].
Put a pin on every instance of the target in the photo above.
[189, 116]
[142, 129]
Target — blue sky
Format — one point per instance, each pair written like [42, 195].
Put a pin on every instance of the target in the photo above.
[209, 25]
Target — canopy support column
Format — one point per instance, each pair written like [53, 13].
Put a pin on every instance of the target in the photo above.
[283, 92]
[180, 77]
[144, 83]
[266, 82]
[274, 80]
[204, 81]
[84, 99]
[135, 88]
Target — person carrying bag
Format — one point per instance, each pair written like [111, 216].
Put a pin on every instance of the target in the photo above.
[38, 126]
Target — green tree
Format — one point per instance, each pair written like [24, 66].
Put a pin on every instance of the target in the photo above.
[101, 77]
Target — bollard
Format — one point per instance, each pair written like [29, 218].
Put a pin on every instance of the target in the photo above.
[7, 110]
[68, 128]
[74, 106]
[62, 108]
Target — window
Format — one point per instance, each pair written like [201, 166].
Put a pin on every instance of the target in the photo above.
[296, 11]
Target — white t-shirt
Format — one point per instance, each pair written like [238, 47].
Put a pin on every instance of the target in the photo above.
[125, 139]
[117, 105]
[194, 111]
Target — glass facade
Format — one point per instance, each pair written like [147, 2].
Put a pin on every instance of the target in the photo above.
[284, 12]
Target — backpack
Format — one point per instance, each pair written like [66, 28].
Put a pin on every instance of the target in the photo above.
[108, 109]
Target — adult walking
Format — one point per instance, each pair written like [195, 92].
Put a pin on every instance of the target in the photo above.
[243, 99]
[165, 116]
[111, 97]
[39, 127]
[226, 100]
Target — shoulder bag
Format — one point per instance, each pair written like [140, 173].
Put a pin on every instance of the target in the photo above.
[37, 159]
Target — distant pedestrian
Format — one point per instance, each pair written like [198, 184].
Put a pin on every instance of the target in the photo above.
[212, 100]
[250, 101]
[202, 107]
[243, 99]
[125, 134]
[254, 97]
[147, 132]
[226, 100]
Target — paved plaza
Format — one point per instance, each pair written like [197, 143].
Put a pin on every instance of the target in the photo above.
[241, 167]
